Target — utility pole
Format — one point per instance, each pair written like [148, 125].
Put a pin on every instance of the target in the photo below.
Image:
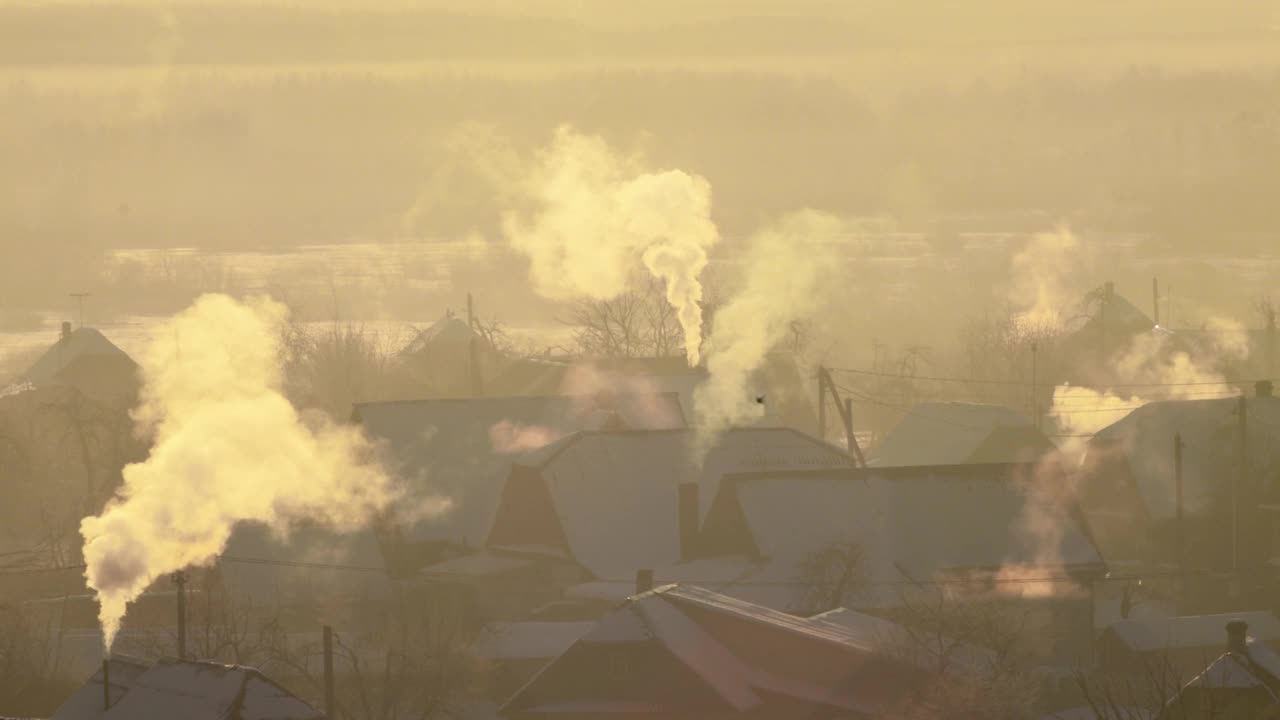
[1155, 300]
[328, 673]
[1180, 527]
[477, 384]
[822, 403]
[80, 296]
[1035, 402]
[180, 579]
[1243, 489]
[1272, 372]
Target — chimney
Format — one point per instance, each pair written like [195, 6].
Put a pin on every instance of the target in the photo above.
[1263, 388]
[1109, 289]
[644, 581]
[1236, 633]
[688, 519]
[66, 329]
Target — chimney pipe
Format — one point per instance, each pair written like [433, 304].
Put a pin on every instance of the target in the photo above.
[1237, 631]
[328, 673]
[644, 581]
[106, 683]
[688, 518]
[66, 329]
[1263, 388]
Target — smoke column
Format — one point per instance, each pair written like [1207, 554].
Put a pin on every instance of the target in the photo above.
[782, 280]
[228, 447]
[598, 217]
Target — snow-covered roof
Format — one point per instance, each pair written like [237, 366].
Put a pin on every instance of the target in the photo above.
[528, 640]
[1194, 631]
[616, 493]
[188, 690]
[81, 343]
[1210, 433]
[948, 433]
[1259, 668]
[447, 448]
[909, 524]
[677, 618]
[449, 333]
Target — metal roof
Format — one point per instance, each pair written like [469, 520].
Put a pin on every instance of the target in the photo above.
[616, 493]
[945, 433]
[910, 523]
[81, 343]
[1192, 631]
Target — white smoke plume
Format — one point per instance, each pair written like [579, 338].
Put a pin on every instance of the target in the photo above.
[509, 437]
[599, 217]
[228, 448]
[1045, 273]
[783, 275]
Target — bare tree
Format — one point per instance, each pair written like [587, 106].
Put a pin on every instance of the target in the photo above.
[637, 323]
[832, 576]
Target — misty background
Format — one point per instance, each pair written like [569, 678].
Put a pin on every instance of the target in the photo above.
[349, 159]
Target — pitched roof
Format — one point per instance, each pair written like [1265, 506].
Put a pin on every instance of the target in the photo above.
[446, 447]
[1194, 631]
[948, 433]
[910, 523]
[703, 632]
[82, 344]
[188, 690]
[615, 493]
[1209, 428]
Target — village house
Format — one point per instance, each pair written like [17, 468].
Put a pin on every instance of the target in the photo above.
[682, 651]
[1243, 682]
[453, 455]
[1177, 648]
[1129, 486]
[602, 505]
[888, 539]
[182, 689]
[85, 359]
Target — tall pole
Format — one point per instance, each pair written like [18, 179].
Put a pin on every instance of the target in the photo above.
[1239, 486]
[328, 673]
[1272, 369]
[477, 385]
[1180, 527]
[180, 579]
[822, 403]
[1035, 402]
[1155, 300]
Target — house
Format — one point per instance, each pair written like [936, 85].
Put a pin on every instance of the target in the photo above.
[460, 450]
[952, 433]
[1179, 647]
[182, 689]
[1243, 682]
[893, 540]
[615, 502]
[439, 360]
[683, 652]
[1128, 475]
[86, 360]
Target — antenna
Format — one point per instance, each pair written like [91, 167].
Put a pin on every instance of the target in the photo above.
[80, 296]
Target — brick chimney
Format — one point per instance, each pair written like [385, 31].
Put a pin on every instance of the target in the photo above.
[1263, 389]
[66, 330]
[688, 519]
[1237, 632]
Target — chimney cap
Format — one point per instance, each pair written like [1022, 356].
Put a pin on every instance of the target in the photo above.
[1263, 388]
[66, 328]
